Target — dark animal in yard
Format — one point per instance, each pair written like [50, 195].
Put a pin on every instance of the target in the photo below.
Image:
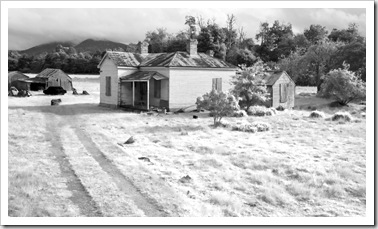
[74, 92]
[146, 159]
[55, 102]
[85, 93]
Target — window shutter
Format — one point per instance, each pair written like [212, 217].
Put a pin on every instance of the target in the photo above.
[214, 87]
[283, 92]
[219, 84]
[108, 86]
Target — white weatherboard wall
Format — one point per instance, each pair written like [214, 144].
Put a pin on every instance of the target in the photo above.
[108, 68]
[185, 85]
[276, 93]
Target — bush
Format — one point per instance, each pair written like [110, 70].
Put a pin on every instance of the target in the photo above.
[240, 113]
[252, 127]
[249, 85]
[317, 114]
[280, 108]
[343, 85]
[261, 111]
[343, 116]
[219, 104]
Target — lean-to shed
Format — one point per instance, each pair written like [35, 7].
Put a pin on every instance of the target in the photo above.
[281, 88]
[14, 79]
[54, 77]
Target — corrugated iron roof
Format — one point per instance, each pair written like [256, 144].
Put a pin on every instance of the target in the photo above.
[272, 76]
[16, 73]
[174, 59]
[144, 76]
[48, 72]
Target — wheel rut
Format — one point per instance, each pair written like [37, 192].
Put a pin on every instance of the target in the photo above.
[80, 197]
[146, 204]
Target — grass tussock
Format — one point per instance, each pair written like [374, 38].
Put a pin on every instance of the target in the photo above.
[342, 116]
[317, 114]
[252, 127]
[231, 203]
[261, 111]
[240, 113]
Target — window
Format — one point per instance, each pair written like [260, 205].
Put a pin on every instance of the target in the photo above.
[157, 89]
[283, 92]
[217, 84]
[107, 86]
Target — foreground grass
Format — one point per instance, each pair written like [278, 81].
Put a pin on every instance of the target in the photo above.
[301, 167]
[36, 186]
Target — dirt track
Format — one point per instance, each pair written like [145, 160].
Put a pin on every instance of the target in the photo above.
[58, 116]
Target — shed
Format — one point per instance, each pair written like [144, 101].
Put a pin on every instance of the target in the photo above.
[281, 88]
[14, 80]
[54, 77]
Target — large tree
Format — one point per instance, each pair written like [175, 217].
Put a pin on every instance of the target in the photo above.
[315, 34]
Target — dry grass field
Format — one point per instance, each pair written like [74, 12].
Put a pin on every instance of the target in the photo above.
[70, 160]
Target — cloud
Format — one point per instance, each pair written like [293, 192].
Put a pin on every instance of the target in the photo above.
[34, 26]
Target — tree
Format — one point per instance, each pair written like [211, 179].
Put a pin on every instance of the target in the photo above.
[318, 59]
[346, 35]
[315, 34]
[353, 53]
[220, 104]
[158, 40]
[343, 85]
[276, 41]
[249, 85]
[296, 66]
[238, 56]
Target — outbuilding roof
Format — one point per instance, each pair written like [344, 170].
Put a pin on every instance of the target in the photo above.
[48, 72]
[143, 76]
[272, 76]
[173, 59]
[17, 75]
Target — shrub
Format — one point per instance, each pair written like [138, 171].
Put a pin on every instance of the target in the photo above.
[240, 113]
[280, 108]
[343, 85]
[252, 127]
[317, 114]
[343, 116]
[219, 104]
[260, 111]
[249, 85]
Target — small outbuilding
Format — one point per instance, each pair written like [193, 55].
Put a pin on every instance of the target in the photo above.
[52, 77]
[15, 79]
[281, 88]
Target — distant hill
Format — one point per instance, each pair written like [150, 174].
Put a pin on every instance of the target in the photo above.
[92, 46]
[88, 45]
[49, 47]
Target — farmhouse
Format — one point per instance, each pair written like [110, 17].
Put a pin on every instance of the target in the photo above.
[281, 88]
[171, 80]
[15, 79]
[51, 77]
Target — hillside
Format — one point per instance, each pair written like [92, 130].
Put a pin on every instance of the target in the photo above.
[49, 47]
[92, 46]
[88, 45]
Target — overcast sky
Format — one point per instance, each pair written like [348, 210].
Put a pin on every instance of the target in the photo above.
[30, 27]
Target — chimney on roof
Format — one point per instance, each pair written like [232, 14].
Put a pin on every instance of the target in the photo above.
[191, 47]
[210, 53]
[143, 47]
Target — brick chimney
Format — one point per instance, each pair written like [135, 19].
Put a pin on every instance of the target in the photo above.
[143, 47]
[191, 47]
[210, 53]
